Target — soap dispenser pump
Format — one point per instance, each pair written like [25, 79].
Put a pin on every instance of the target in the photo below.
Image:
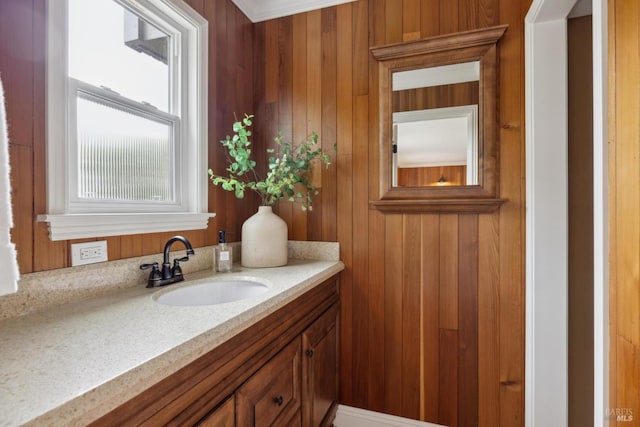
[224, 253]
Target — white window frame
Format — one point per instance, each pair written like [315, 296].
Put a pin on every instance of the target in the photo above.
[66, 219]
[114, 100]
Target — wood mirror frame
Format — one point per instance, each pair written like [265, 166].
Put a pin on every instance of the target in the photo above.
[477, 45]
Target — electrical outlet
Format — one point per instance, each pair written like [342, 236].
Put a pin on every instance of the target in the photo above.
[89, 252]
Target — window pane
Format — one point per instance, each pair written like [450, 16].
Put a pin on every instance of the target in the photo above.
[110, 46]
[123, 156]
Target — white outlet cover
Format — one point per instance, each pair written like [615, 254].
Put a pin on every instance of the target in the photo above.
[99, 249]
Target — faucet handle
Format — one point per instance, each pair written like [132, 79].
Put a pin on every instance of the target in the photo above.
[154, 276]
[148, 266]
[176, 270]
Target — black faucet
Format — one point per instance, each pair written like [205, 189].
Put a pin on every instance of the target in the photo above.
[168, 274]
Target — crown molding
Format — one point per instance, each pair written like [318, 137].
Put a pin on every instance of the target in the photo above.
[262, 10]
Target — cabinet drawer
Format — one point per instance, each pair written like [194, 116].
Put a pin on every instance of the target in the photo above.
[271, 395]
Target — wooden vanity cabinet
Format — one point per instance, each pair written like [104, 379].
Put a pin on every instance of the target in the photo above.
[282, 371]
[272, 395]
[320, 370]
[224, 416]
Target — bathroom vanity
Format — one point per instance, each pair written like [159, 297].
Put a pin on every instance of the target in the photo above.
[281, 371]
[127, 359]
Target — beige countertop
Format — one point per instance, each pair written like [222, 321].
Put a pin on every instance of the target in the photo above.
[72, 363]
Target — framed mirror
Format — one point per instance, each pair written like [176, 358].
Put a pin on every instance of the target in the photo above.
[438, 123]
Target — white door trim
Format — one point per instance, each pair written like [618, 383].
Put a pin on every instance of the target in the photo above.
[600, 213]
[546, 388]
[546, 344]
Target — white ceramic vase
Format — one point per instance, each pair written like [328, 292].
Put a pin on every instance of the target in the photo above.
[264, 240]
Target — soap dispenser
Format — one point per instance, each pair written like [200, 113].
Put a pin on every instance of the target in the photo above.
[224, 253]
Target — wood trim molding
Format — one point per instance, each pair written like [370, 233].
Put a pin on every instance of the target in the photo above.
[445, 205]
[448, 42]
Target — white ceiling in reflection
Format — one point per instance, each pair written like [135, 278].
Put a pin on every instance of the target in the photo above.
[430, 143]
[436, 76]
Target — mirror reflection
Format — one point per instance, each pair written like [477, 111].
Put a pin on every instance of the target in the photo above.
[435, 125]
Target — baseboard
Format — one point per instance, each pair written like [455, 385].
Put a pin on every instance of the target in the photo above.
[347, 416]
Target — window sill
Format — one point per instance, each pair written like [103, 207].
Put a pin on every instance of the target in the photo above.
[77, 226]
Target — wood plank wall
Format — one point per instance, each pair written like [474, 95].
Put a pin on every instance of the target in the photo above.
[432, 322]
[432, 305]
[431, 175]
[624, 227]
[436, 97]
[22, 69]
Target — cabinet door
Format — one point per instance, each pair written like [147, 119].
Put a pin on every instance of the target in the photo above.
[223, 416]
[320, 370]
[272, 395]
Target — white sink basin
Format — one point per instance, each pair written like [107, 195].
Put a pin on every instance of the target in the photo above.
[211, 293]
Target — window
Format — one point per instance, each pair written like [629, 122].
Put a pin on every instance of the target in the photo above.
[126, 118]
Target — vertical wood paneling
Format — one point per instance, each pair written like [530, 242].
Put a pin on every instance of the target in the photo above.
[376, 278]
[197, 5]
[420, 177]
[468, 320]
[360, 243]
[488, 327]
[487, 13]
[114, 245]
[511, 263]
[360, 50]
[613, 212]
[449, 16]
[409, 329]
[375, 281]
[393, 21]
[624, 153]
[410, 20]
[393, 309]
[359, 361]
[628, 380]
[329, 117]
[16, 67]
[285, 99]
[430, 312]
[448, 402]
[300, 132]
[628, 172]
[449, 271]
[22, 200]
[430, 18]
[344, 168]
[468, 14]
[436, 97]
[314, 106]
[345, 224]
[260, 104]
[468, 288]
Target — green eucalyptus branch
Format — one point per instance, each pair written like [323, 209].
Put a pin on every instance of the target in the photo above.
[289, 167]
